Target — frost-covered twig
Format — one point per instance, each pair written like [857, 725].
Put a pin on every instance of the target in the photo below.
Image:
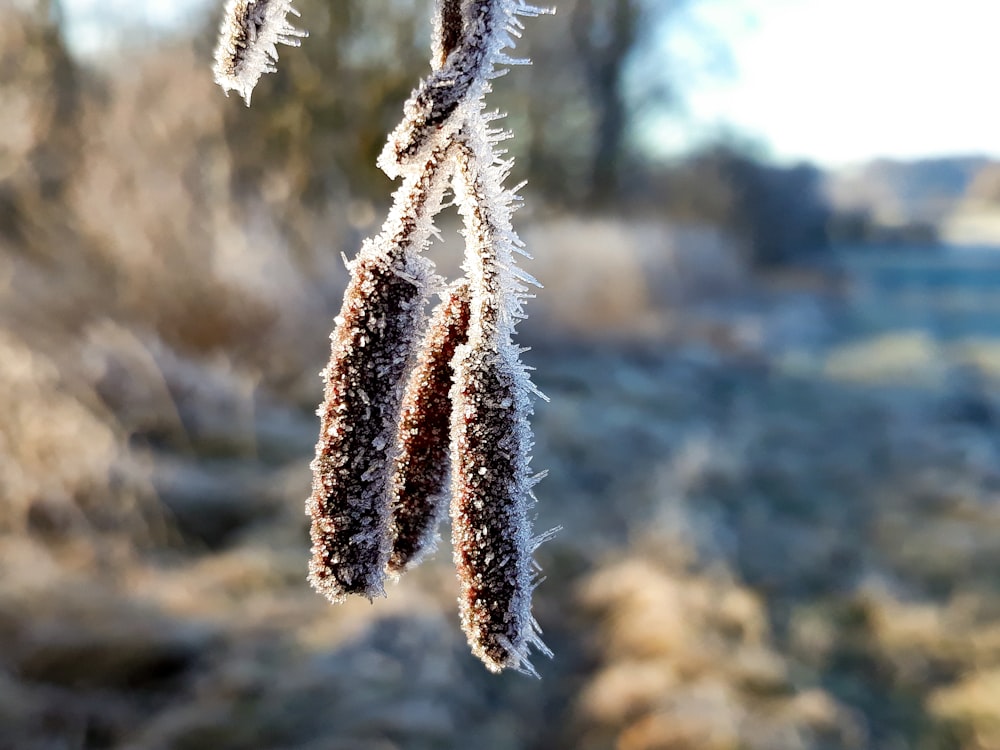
[448, 22]
[248, 42]
[432, 113]
[463, 64]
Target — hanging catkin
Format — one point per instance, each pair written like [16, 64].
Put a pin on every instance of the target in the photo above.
[419, 483]
[388, 440]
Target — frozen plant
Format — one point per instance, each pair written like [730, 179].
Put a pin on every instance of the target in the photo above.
[420, 473]
[248, 39]
[408, 406]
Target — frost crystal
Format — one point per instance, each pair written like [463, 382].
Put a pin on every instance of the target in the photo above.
[248, 39]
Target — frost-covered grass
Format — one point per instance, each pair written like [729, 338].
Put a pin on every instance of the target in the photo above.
[748, 560]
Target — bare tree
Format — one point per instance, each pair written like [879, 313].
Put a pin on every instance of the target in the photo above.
[606, 35]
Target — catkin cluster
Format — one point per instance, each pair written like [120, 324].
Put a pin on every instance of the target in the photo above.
[420, 417]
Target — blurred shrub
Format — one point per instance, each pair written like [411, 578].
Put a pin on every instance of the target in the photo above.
[611, 279]
[777, 214]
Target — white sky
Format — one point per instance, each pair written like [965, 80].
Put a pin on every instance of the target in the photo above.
[833, 81]
[840, 81]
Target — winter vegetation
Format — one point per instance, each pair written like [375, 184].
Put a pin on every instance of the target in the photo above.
[370, 462]
[780, 531]
[248, 42]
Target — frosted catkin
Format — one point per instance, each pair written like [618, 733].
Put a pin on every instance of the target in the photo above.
[491, 437]
[420, 475]
[373, 342]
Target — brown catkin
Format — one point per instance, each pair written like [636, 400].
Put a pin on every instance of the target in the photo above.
[371, 347]
[248, 39]
[348, 506]
[491, 537]
[490, 434]
[421, 469]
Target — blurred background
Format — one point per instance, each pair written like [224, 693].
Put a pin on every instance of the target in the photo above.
[768, 235]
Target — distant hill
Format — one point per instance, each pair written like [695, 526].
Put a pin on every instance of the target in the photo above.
[898, 193]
